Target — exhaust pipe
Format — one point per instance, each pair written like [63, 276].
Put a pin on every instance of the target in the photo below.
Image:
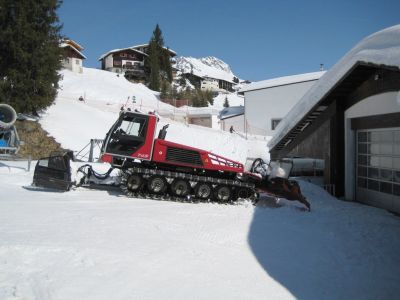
[8, 116]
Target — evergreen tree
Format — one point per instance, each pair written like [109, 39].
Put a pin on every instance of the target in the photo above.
[226, 102]
[166, 90]
[154, 66]
[30, 55]
[162, 67]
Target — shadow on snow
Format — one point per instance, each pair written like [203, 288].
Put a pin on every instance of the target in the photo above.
[338, 251]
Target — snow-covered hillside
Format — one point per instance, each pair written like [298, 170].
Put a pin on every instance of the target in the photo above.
[207, 66]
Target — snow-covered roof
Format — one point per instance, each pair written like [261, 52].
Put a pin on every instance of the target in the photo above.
[146, 45]
[73, 43]
[122, 49]
[274, 82]
[231, 111]
[64, 45]
[381, 48]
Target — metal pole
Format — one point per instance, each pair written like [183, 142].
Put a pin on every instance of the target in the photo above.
[91, 150]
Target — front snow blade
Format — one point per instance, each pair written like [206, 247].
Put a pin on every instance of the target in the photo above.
[53, 172]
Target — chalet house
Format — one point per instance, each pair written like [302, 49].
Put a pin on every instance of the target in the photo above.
[268, 101]
[127, 61]
[350, 118]
[145, 47]
[72, 56]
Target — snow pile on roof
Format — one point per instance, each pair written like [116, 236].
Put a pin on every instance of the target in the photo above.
[282, 81]
[205, 67]
[380, 48]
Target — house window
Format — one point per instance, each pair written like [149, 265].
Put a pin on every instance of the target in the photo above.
[274, 123]
[77, 61]
[123, 54]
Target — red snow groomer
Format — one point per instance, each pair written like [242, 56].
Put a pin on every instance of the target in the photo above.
[159, 166]
[153, 167]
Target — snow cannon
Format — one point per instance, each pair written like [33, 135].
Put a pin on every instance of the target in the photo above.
[9, 140]
[8, 116]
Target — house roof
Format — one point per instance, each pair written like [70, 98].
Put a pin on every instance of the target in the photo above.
[73, 43]
[119, 50]
[379, 49]
[173, 53]
[66, 45]
[286, 80]
[232, 111]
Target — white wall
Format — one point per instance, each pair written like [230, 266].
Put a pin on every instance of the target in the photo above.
[210, 84]
[237, 123]
[73, 64]
[375, 105]
[261, 106]
[109, 62]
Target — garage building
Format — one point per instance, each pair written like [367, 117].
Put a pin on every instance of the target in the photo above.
[351, 119]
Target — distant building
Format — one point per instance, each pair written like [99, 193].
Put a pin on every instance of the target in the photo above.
[127, 61]
[268, 101]
[72, 55]
[210, 83]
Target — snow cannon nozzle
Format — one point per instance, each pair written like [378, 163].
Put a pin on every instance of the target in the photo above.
[8, 116]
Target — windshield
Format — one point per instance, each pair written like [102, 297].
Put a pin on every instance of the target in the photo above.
[132, 126]
[127, 135]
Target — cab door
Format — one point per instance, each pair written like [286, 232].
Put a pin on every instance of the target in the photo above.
[131, 136]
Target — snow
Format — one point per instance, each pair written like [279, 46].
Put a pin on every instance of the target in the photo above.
[265, 84]
[380, 48]
[93, 244]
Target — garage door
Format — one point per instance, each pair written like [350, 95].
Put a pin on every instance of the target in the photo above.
[378, 168]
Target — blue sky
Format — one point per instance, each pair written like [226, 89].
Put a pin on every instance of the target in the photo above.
[258, 39]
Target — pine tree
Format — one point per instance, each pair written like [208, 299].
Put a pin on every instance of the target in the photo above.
[30, 55]
[226, 103]
[166, 90]
[157, 52]
[154, 81]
